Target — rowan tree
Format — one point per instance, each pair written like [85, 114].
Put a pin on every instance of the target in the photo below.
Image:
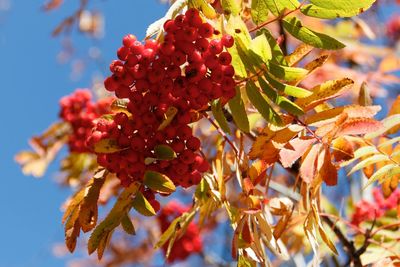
[238, 124]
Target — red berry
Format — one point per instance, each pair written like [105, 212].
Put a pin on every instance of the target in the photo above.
[128, 40]
[193, 143]
[227, 40]
[206, 30]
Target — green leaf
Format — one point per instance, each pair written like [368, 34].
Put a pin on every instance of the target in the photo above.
[287, 89]
[164, 152]
[246, 262]
[142, 205]
[127, 225]
[219, 116]
[238, 29]
[250, 60]
[158, 182]
[277, 54]
[296, 29]
[202, 190]
[336, 9]
[238, 110]
[171, 230]
[277, 6]
[259, 11]
[288, 74]
[281, 101]
[261, 105]
[230, 7]
[260, 48]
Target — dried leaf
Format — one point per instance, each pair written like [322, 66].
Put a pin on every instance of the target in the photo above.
[298, 54]
[325, 91]
[364, 98]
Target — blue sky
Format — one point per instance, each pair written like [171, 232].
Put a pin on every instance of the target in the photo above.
[32, 82]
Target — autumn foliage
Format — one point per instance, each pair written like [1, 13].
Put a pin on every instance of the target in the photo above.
[253, 114]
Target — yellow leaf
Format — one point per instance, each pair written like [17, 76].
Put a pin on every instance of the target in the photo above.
[298, 54]
[120, 105]
[88, 210]
[168, 117]
[158, 182]
[103, 231]
[107, 146]
[142, 205]
[325, 91]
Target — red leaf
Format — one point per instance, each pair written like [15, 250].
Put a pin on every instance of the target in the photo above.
[354, 126]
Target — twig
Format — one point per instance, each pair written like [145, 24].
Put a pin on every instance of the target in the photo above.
[276, 18]
[221, 133]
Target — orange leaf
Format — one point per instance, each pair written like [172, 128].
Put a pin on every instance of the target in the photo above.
[342, 149]
[308, 167]
[267, 144]
[53, 4]
[368, 170]
[395, 109]
[246, 234]
[294, 150]
[247, 185]
[328, 171]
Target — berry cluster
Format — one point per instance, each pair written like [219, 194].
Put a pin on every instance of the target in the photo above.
[78, 110]
[186, 71]
[368, 211]
[189, 243]
[393, 28]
